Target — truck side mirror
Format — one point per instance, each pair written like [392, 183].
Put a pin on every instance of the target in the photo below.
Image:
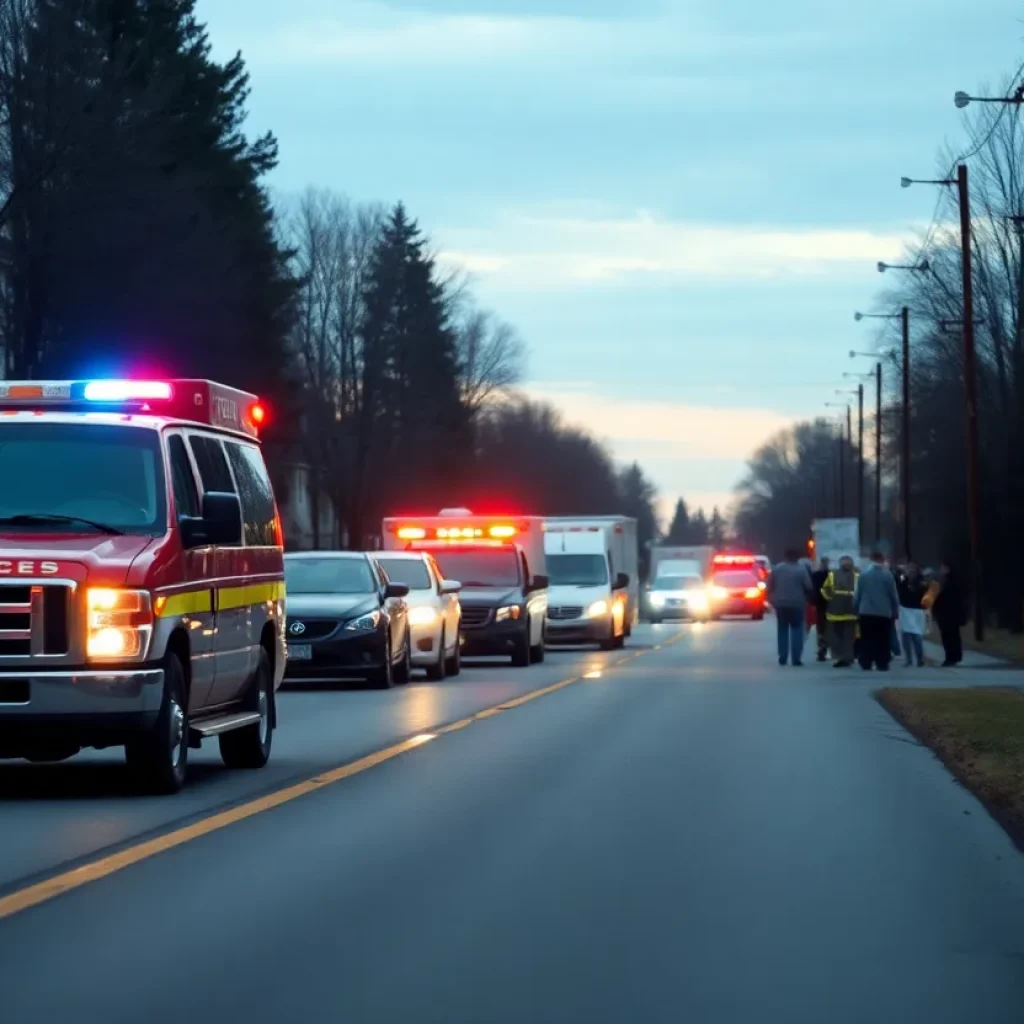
[621, 581]
[538, 583]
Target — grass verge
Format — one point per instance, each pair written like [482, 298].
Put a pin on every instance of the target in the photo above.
[978, 733]
[998, 643]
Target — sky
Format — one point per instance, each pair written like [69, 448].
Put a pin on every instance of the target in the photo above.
[678, 203]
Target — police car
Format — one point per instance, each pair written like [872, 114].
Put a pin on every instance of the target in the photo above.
[142, 589]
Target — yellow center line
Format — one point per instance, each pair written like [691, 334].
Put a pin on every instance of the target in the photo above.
[41, 892]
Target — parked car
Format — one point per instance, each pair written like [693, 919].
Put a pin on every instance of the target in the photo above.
[435, 614]
[345, 619]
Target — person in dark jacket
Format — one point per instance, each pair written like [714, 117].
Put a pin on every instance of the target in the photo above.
[911, 587]
[818, 579]
[949, 612]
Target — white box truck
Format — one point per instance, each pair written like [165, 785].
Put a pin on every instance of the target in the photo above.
[593, 592]
[834, 538]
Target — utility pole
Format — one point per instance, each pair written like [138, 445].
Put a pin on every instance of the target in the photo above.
[905, 439]
[840, 489]
[847, 450]
[971, 400]
[878, 452]
[860, 458]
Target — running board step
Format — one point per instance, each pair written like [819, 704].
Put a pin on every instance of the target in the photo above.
[222, 723]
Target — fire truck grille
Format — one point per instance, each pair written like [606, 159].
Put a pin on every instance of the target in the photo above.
[34, 620]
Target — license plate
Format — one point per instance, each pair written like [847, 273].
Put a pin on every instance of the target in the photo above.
[300, 652]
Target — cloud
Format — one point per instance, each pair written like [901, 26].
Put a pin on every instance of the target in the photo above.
[359, 32]
[521, 250]
[688, 450]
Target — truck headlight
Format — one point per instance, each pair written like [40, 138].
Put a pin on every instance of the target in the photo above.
[719, 593]
[119, 624]
[698, 602]
[597, 609]
[512, 611]
[657, 600]
[423, 616]
[364, 624]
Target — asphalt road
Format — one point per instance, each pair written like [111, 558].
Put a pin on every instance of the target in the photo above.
[691, 834]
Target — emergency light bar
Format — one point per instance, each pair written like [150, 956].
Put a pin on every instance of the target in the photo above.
[733, 560]
[499, 531]
[197, 401]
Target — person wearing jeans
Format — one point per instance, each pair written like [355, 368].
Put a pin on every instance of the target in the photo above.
[877, 605]
[912, 588]
[789, 591]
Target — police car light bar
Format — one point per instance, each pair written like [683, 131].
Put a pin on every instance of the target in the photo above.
[495, 532]
[733, 560]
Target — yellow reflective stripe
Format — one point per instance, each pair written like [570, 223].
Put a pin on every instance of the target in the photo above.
[252, 593]
[194, 602]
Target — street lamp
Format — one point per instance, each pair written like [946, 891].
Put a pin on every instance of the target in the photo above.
[922, 268]
[970, 368]
[962, 99]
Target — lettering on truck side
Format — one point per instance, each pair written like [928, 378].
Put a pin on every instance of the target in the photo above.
[8, 568]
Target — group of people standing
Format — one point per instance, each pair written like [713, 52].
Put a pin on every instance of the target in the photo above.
[862, 616]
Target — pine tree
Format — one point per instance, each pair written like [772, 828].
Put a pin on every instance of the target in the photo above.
[699, 528]
[411, 405]
[679, 528]
[717, 533]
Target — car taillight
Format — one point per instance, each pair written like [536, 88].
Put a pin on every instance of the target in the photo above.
[119, 624]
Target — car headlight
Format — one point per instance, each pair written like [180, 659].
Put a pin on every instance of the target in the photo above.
[697, 601]
[119, 624]
[657, 600]
[511, 611]
[719, 593]
[364, 623]
[423, 616]
[597, 609]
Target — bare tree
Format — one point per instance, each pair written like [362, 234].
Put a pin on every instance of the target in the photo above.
[491, 359]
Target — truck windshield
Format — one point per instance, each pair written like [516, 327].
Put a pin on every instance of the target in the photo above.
[577, 570]
[328, 575]
[498, 567]
[74, 474]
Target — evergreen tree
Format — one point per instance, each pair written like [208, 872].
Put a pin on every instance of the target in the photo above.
[699, 528]
[679, 528]
[411, 405]
[637, 496]
[717, 532]
[144, 239]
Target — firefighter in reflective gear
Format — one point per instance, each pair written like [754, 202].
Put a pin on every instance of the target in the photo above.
[838, 591]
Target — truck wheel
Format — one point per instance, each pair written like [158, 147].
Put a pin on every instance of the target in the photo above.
[249, 747]
[619, 642]
[436, 672]
[654, 620]
[159, 757]
[521, 649]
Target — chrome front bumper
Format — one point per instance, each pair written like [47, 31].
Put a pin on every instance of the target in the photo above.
[86, 693]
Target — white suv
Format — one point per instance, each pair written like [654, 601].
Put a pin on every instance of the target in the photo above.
[435, 614]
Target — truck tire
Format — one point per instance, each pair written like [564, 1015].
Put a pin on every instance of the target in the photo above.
[249, 747]
[159, 757]
[608, 644]
[537, 651]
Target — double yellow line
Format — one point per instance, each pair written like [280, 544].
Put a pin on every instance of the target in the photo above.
[40, 892]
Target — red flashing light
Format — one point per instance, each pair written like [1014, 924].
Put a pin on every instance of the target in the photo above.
[745, 560]
[502, 532]
[412, 533]
[257, 414]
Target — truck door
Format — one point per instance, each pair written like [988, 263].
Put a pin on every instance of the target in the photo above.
[195, 576]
